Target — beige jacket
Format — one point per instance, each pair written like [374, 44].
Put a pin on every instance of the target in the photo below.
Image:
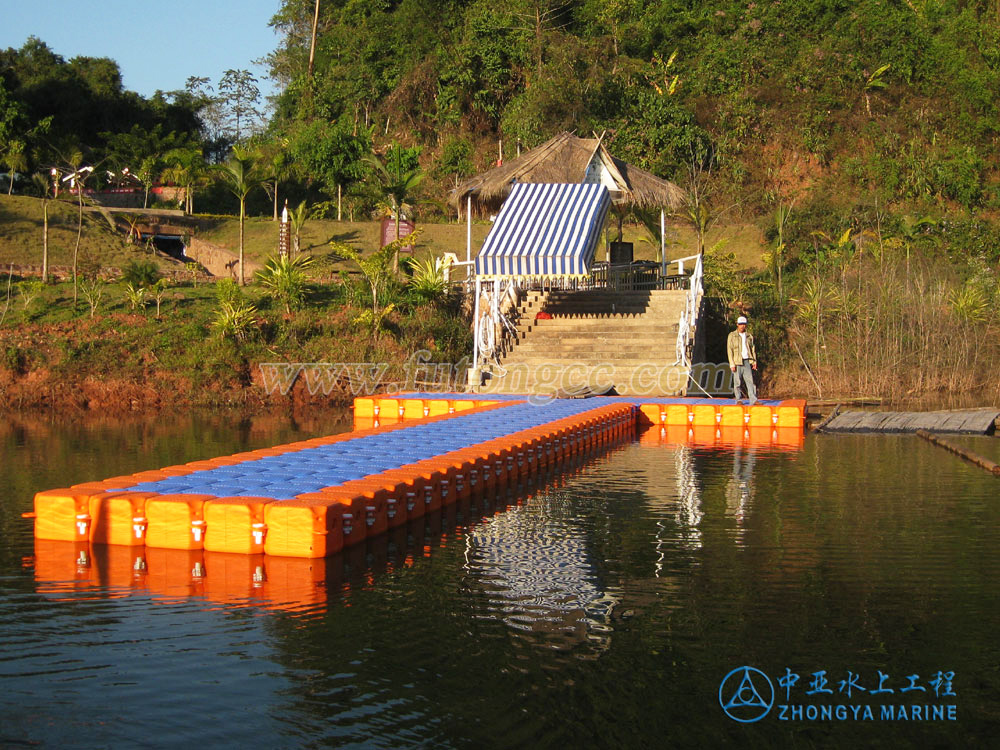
[733, 348]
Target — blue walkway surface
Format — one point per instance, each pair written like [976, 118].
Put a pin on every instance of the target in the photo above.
[634, 400]
[311, 469]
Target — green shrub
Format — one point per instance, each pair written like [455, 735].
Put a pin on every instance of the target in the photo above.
[29, 291]
[235, 320]
[427, 283]
[14, 360]
[228, 291]
[140, 273]
[92, 291]
[135, 296]
[286, 280]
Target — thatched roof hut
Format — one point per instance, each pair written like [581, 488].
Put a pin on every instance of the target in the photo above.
[567, 158]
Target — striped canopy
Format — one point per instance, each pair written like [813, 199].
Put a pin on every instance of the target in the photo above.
[545, 229]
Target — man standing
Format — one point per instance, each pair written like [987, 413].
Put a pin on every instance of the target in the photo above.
[742, 359]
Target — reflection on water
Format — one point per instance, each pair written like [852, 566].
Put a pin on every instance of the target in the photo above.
[533, 565]
[740, 487]
[598, 607]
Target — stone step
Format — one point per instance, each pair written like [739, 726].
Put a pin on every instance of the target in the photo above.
[580, 354]
[664, 382]
[642, 329]
[582, 312]
[610, 365]
[608, 341]
[601, 321]
[608, 293]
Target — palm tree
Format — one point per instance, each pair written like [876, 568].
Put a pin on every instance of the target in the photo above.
[79, 174]
[275, 156]
[398, 184]
[241, 174]
[16, 160]
[297, 218]
[186, 167]
[43, 184]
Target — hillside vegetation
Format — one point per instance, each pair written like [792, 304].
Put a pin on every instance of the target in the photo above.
[838, 156]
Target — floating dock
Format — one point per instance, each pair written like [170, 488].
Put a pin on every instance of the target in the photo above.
[965, 421]
[409, 455]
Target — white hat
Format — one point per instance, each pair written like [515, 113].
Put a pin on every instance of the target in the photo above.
[741, 319]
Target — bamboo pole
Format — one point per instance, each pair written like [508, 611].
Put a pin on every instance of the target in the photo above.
[975, 458]
[829, 418]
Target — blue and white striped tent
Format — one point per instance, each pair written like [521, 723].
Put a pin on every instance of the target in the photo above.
[545, 229]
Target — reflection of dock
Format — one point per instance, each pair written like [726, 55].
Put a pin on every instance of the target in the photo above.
[313, 498]
[73, 571]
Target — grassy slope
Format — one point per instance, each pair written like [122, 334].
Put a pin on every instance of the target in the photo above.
[21, 233]
[54, 356]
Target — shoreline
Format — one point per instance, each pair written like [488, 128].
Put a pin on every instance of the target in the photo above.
[44, 391]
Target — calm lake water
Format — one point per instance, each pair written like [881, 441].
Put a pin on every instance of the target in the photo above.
[601, 607]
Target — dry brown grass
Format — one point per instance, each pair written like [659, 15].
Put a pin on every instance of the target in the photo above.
[897, 330]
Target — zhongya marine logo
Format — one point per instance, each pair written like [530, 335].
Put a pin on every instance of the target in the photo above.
[746, 695]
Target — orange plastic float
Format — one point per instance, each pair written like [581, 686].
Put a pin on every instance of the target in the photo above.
[319, 523]
[236, 524]
[176, 521]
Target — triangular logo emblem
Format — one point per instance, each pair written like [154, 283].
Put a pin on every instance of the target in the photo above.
[746, 694]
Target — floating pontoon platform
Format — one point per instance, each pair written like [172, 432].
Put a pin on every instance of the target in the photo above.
[409, 455]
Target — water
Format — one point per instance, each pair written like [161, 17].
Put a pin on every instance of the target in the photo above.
[601, 608]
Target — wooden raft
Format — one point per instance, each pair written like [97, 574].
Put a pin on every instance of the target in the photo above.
[970, 421]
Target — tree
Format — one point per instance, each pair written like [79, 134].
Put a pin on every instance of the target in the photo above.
[43, 184]
[77, 174]
[185, 165]
[16, 160]
[375, 268]
[330, 153]
[239, 96]
[312, 43]
[398, 181]
[540, 18]
[142, 152]
[297, 218]
[241, 175]
[697, 210]
[12, 147]
[275, 162]
[199, 96]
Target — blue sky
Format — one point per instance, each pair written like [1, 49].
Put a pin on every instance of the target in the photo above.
[157, 45]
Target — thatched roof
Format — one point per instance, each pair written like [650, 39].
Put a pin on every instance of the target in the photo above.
[566, 158]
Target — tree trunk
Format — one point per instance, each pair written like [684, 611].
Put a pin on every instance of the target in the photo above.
[312, 44]
[79, 233]
[395, 255]
[242, 277]
[45, 241]
[538, 40]
[338, 201]
[275, 199]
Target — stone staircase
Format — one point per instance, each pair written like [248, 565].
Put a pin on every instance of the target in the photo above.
[596, 340]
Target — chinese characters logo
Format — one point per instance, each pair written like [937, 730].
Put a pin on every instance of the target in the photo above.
[747, 695]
